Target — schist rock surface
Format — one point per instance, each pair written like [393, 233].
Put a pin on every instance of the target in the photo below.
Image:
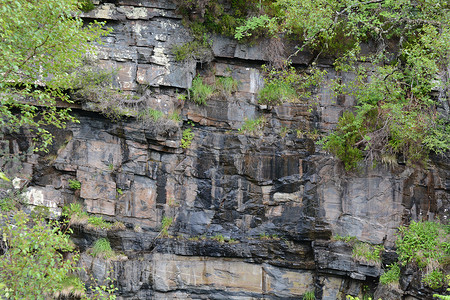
[253, 213]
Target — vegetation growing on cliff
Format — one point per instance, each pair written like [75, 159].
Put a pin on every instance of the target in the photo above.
[398, 85]
[41, 42]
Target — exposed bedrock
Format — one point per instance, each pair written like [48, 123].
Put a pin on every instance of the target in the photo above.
[253, 213]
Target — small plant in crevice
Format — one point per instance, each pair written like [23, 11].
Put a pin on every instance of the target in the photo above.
[200, 91]
[74, 184]
[187, 138]
[309, 295]
[150, 114]
[102, 248]
[226, 85]
[367, 253]
[166, 222]
[198, 50]
[253, 126]
[219, 238]
[392, 276]
[86, 5]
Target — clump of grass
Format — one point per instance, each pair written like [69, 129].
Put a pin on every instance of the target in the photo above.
[71, 286]
[75, 214]
[226, 85]
[346, 239]
[150, 114]
[175, 116]
[102, 249]
[200, 92]
[219, 238]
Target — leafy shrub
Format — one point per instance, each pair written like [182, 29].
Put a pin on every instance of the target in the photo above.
[32, 264]
[392, 276]
[74, 184]
[200, 92]
[187, 138]
[287, 85]
[426, 244]
[102, 248]
[342, 142]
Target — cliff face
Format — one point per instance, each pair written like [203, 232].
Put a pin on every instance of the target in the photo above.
[253, 212]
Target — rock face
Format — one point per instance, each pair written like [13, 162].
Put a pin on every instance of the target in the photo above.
[253, 212]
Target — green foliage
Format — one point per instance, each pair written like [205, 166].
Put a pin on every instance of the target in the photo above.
[346, 239]
[150, 114]
[309, 295]
[165, 224]
[367, 252]
[41, 42]
[198, 50]
[74, 184]
[444, 297]
[253, 126]
[265, 236]
[287, 85]
[396, 112]
[341, 142]
[219, 238]
[226, 85]
[214, 16]
[98, 222]
[392, 276]
[187, 138]
[426, 244]
[102, 248]
[119, 191]
[86, 5]
[32, 266]
[175, 116]
[200, 92]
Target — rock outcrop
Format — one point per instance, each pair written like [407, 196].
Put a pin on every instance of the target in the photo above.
[253, 213]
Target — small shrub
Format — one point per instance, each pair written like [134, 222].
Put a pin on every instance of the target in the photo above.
[119, 191]
[102, 248]
[74, 184]
[200, 92]
[309, 295]
[187, 138]
[392, 276]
